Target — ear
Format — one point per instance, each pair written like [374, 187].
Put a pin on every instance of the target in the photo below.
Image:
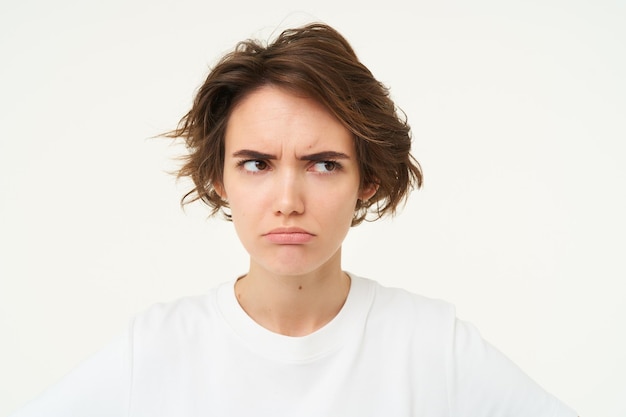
[219, 189]
[368, 191]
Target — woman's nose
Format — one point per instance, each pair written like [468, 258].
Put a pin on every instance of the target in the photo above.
[288, 198]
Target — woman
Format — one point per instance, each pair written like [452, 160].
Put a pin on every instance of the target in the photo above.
[295, 143]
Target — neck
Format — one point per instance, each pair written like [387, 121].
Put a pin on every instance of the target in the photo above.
[293, 305]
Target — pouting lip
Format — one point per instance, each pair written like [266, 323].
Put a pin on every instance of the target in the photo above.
[287, 230]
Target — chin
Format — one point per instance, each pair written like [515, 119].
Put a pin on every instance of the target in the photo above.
[291, 270]
[294, 260]
[292, 266]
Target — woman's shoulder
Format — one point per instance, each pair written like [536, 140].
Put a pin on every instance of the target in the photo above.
[405, 308]
[185, 313]
[400, 298]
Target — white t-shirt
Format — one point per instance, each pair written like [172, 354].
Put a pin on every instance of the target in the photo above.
[387, 353]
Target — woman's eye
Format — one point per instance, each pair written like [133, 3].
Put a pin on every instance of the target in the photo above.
[254, 165]
[326, 166]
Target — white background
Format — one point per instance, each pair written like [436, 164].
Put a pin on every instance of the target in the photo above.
[518, 112]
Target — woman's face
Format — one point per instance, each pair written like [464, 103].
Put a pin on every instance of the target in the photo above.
[291, 179]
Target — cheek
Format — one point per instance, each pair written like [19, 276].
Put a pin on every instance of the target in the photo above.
[247, 208]
[242, 206]
[339, 207]
[240, 196]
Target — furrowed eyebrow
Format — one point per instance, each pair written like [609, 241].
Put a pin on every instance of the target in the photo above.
[319, 156]
[250, 154]
[323, 156]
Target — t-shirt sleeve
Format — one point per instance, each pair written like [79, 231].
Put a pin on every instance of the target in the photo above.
[486, 383]
[98, 387]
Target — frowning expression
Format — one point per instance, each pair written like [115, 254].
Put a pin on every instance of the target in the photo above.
[291, 179]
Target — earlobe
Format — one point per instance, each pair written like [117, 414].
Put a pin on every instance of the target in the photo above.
[368, 191]
[219, 190]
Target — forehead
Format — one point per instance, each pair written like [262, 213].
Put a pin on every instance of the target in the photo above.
[274, 117]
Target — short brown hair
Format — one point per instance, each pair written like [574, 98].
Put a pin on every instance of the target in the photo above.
[315, 61]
